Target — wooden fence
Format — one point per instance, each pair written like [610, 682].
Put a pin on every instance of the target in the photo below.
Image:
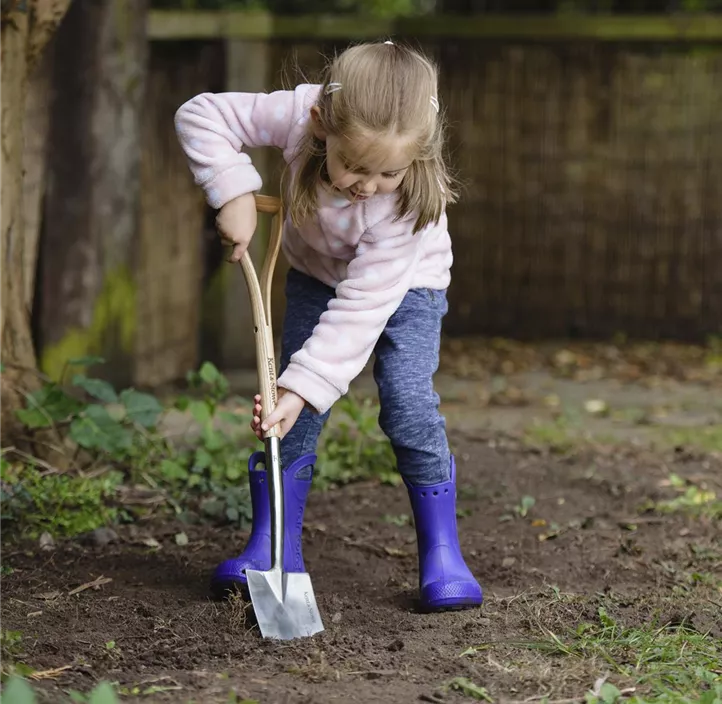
[591, 151]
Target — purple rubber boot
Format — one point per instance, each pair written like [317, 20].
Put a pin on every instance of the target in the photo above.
[230, 575]
[445, 582]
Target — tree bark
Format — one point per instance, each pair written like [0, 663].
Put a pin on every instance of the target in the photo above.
[87, 290]
[26, 29]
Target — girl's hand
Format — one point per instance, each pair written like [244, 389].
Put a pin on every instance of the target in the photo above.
[236, 222]
[286, 413]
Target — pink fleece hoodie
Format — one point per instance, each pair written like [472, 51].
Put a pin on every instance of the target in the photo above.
[360, 249]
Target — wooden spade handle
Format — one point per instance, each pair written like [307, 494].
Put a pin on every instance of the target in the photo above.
[260, 294]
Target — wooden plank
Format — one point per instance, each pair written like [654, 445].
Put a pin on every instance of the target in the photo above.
[673, 28]
[169, 267]
[176, 24]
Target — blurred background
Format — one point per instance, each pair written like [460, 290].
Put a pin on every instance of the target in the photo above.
[587, 134]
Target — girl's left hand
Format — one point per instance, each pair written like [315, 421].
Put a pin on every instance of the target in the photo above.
[286, 413]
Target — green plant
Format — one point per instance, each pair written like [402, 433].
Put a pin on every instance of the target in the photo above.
[33, 501]
[666, 662]
[693, 499]
[127, 438]
[11, 655]
[355, 448]
[466, 687]
[117, 435]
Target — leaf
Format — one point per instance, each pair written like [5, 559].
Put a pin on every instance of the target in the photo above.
[608, 693]
[181, 403]
[469, 689]
[97, 388]
[103, 694]
[172, 469]
[85, 361]
[237, 418]
[96, 430]
[201, 412]
[110, 645]
[181, 539]
[209, 373]
[18, 691]
[202, 459]
[605, 618]
[141, 408]
[48, 405]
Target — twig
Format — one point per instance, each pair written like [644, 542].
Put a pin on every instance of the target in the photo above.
[99, 582]
[49, 674]
[35, 460]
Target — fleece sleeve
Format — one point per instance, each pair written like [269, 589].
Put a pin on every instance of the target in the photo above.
[213, 128]
[342, 342]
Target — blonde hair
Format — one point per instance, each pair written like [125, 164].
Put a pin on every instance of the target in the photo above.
[385, 89]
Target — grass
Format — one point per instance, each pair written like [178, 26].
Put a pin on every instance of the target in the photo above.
[570, 431]
[693, 499]
[660, 661]
[649, 661]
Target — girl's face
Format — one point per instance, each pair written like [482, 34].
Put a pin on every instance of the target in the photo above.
[361, 168]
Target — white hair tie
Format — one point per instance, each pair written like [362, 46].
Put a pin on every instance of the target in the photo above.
[333, 87]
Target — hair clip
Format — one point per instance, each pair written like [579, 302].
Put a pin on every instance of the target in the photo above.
[332, 88]
[435, 102]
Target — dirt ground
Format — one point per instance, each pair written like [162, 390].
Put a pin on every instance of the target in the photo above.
[587, 542]
[376, 647]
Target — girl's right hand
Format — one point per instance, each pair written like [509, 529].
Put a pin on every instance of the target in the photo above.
[236, 222]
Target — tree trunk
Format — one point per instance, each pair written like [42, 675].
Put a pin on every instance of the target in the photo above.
[88, 286]
[37, 121]
[26, 29]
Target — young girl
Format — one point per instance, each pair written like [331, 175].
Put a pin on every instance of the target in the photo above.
[366, 237]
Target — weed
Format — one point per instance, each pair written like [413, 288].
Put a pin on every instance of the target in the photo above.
[466, 687]
[693, 499]
[707, 438]
[355, 448]
[524, 506]
[557, 435]
[62, 504]
[11, 655]
[663, 661]
[116, 438]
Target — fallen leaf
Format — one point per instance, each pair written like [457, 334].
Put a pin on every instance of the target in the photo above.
[46, 541]
[596, 407]
[538, 522]
[395, 552]
[47, 596]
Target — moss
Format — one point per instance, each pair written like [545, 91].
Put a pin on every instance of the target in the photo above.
[114, 318]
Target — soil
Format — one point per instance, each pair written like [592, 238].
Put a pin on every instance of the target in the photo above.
[537, 577]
